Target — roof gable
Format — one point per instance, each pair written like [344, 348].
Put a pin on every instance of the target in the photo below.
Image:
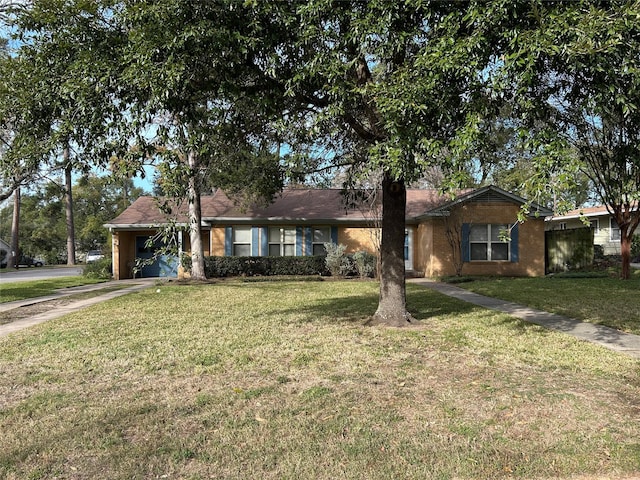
[488, 194]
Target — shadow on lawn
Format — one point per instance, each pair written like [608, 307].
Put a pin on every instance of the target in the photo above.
[357, 309]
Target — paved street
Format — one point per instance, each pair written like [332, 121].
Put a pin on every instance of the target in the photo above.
[38, 273]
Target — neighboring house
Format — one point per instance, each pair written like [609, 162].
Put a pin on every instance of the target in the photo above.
[475, 234]
[605, 229]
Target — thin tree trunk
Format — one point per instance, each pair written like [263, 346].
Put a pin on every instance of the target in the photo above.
[68, 204]
[625, 251]
[14, 255]
[627, 222]
[195, 219]
[392, 306]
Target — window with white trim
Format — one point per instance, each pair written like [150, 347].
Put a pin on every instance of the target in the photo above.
[488, 242]
[595, 224]
[282, 242]
[614, 230]
[321, 235]
[242, 241]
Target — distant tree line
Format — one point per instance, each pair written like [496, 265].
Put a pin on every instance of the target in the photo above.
[43, 230]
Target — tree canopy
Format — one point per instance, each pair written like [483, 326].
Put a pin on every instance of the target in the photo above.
[43, 230]
[395, 88]
[577, 78]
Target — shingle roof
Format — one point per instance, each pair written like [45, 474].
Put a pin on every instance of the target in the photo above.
[297, 205]
[586, 212]
[322, 204]
[290, 205]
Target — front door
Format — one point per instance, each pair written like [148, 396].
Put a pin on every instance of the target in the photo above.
[160, 266]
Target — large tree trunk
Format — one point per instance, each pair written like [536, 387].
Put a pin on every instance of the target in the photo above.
[392, 305]
[14, 255]
[68, 205]
[195, 219]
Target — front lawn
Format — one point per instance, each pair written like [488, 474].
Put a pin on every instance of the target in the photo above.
[607, 301]
[282, 380]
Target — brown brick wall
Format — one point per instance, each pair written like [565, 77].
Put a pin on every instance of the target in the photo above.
[217, 241]
[422, 248]
[530, 243]
[206, 242]
[357, 239]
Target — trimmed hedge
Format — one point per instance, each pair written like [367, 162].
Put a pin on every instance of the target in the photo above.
[261, 266]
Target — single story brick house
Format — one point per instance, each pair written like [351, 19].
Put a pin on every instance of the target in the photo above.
[476, 233]
[606, 232]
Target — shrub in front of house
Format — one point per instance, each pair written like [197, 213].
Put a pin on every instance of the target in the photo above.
[365, 264]
[98, 269]
[341, 264]
[216, 267]
[338, 263]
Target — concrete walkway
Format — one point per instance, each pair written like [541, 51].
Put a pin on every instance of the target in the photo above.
[607, 337]
[58, 311]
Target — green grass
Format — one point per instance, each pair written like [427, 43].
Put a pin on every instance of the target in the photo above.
[282, 380]
[12, 291]
[606, 301]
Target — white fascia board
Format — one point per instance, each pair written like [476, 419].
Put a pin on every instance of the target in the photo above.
[579, 215]
[287, 221]
[142, 226]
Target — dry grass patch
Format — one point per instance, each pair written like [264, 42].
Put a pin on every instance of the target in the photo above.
[283, 381]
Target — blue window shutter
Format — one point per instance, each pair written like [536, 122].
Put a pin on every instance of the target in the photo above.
[228, 241]
[515, 256]
[334, 235]
[466, 230]
[298, 241]
[255, 234]
[308, 245]
[265, 241]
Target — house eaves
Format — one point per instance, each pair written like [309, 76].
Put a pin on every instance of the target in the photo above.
[258, 221]
[586, 212]
[144, 226]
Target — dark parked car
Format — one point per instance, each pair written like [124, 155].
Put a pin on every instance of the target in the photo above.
[30, 262]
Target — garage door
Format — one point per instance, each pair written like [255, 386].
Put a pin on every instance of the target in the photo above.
[162, 266]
